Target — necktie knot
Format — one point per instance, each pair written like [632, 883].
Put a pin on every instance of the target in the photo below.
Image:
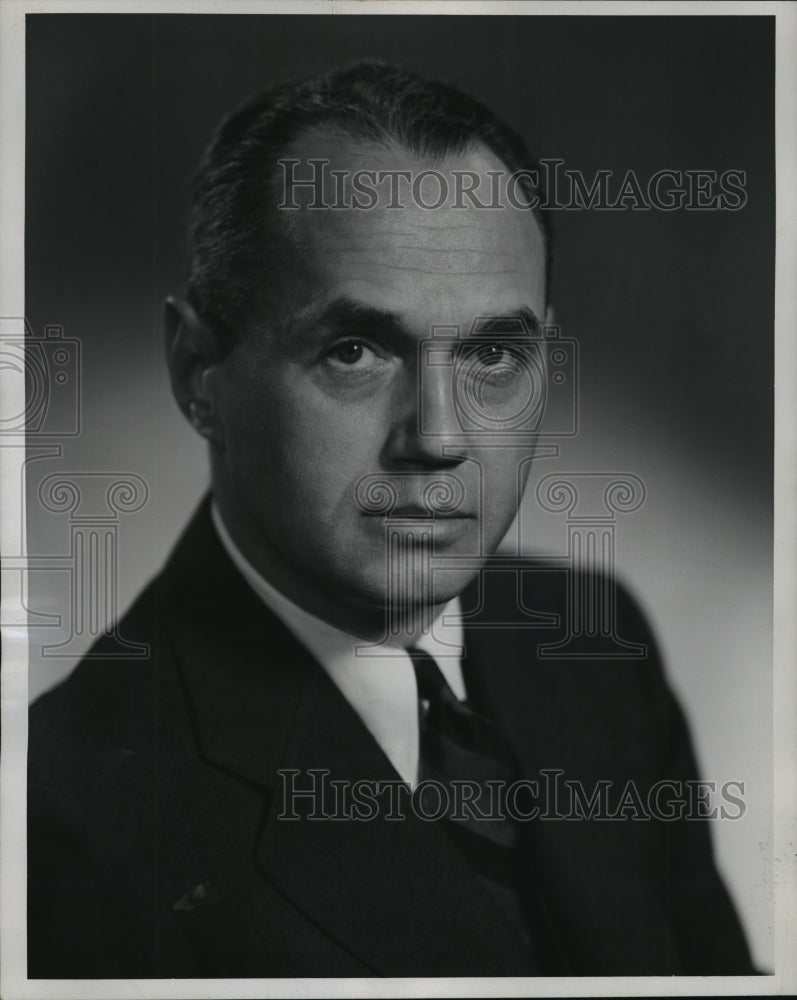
[432, 685]
[453, 724]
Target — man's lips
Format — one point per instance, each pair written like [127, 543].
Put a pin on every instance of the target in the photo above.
[417, 496]
[417, 525]
[417, 511]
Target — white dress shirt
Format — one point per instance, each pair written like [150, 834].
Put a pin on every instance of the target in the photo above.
[378, 682]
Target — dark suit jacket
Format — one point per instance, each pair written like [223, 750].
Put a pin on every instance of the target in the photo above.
[149, 779]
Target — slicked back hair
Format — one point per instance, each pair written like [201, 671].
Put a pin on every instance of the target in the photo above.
[234, 230]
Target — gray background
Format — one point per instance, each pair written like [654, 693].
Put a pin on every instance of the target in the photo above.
[673, 311]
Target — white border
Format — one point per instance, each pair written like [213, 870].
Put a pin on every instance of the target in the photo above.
[13, 981]
[13, 675]
[581, 8]
[785, 562]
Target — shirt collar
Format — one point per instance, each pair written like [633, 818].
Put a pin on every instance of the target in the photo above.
[377, 680]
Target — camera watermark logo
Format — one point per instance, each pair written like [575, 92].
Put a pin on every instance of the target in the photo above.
[43, 375]
[497, 385]
[508, 379]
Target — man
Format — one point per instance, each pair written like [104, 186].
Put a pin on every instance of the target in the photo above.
[368, 367]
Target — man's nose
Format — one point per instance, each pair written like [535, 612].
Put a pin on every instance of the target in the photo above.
[426, 431]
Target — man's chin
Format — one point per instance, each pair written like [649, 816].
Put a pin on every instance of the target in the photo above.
[411, 592]
[366, 598]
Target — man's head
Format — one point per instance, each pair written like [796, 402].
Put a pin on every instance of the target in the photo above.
[303, 353]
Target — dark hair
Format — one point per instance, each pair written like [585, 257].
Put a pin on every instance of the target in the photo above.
[232, 230]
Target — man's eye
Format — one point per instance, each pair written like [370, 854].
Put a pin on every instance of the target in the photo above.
[354, 355]
[493, 354]
[495, 362]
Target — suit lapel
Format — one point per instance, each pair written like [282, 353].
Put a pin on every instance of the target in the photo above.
[393, 893]
[239, 668]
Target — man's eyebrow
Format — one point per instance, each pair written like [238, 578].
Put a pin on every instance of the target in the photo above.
[358, 319]
[518, 322]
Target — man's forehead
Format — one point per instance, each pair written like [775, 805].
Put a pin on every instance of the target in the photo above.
[440, 265]
[383, 192]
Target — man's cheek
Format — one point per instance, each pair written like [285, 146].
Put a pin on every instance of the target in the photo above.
[501, 496]
[330, 443]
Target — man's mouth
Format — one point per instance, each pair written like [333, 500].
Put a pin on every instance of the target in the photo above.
[420, 512]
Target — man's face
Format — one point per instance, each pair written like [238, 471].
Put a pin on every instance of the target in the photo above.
[332, 396]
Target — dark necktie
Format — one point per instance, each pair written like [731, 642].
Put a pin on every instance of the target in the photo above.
[457, 744]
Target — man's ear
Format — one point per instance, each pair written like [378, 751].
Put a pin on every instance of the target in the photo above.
[550, 315]
[193, 354]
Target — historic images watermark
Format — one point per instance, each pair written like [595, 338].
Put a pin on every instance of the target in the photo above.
[314, 795]
[313, 184]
